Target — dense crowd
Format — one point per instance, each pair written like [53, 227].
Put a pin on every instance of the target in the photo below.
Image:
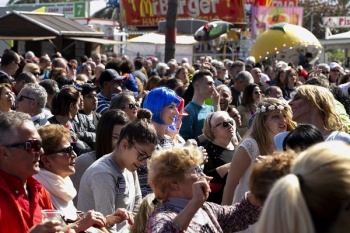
[120, 145]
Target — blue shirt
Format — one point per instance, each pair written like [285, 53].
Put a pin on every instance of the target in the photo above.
[192, 125]
[103, 103]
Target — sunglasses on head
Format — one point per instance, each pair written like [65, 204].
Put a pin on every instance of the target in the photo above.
[67, 150]
[225, 124]
[133, 105]
[29, 145]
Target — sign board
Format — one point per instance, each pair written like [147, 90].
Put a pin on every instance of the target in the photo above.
[70, 10]
[264, 17]
[149, 12]
[272, 3]
[336, 22]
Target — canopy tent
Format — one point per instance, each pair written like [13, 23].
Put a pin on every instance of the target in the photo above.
[153, 44]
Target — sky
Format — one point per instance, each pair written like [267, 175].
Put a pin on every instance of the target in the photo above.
[3, 2]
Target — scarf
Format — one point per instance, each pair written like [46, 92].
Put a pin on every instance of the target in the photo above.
[61, 191]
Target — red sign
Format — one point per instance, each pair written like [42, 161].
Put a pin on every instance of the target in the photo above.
[149, 12]
[276, 3]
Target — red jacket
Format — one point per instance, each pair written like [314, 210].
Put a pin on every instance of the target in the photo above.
[11, 216]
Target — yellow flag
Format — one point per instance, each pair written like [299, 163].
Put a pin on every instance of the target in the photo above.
[41, 9]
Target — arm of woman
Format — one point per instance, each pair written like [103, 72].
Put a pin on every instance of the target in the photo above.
[239, 165]
[200, 191]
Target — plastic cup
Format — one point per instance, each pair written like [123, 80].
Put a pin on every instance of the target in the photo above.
[51, 215]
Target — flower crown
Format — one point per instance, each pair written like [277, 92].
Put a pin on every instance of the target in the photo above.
[270, 107]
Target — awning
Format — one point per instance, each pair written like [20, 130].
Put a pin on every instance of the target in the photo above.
[32, 38]
[96, 40]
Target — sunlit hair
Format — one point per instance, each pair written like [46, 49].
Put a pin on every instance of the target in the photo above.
[32, 68]
[119, 101]
[311, 198]
[140, 130]
[159, 98]
[259, 130]
[209, 123]
[247, 99]
[268, 171]
[148, 204]
[62, 101]
[3, 86]
[168, 166]
[286, 76]
[178, 71]
[104, 130]
[323, 99]
[152, 82]
[52, 135]
[279, 82]
[10, 124]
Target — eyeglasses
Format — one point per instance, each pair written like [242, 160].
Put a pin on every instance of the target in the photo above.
[68, 150]
[257, 92]
[335, 71]
[198, 170]
[91, 96]
[29, 145]
[132, 105]
[141, 157]
[225, 124]
[21, 97]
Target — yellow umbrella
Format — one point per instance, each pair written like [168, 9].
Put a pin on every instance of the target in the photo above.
[286, 42]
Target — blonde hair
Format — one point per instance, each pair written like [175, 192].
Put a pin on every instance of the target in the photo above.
[149, 203]
[324, 100]
[167, 166]
[267, 172]
[310, 198]
[208, 123]
[258, 130]
[31, 67]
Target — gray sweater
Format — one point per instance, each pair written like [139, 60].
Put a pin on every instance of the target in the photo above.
[104, 187]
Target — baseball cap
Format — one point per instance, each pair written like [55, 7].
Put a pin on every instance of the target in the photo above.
[181, 108]
[109, 75]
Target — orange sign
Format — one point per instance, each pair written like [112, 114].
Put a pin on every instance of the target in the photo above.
[149, 12]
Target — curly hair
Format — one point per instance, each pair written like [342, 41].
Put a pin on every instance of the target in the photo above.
[171, 165]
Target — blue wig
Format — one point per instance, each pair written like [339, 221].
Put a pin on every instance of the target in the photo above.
[159, 98]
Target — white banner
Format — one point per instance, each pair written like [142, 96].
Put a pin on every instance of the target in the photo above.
[336, 22]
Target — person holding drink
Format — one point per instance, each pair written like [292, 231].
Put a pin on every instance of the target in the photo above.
[57, 163]
[22, 197]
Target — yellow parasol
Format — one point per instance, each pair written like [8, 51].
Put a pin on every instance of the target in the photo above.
[286, 42]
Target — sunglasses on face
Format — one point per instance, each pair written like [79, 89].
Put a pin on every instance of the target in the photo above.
[325, 72]
[21, 97]
[29, 145]
[225, 124]
[335, 71]
[133, 105]
[68, 150]
[257, 92]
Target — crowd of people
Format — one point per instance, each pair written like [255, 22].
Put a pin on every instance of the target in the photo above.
[120, 145]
